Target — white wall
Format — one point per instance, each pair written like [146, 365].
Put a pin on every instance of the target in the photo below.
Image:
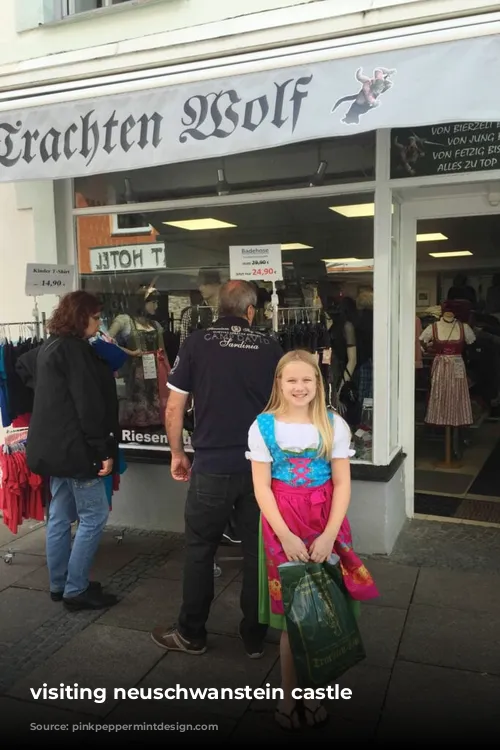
[17, 247]
[157, 31]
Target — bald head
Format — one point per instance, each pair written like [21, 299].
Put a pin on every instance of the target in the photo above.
[235, 299]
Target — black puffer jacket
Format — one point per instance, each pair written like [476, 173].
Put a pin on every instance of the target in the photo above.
[74, 426]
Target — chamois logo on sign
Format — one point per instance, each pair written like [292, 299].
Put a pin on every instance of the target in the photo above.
[368, 97]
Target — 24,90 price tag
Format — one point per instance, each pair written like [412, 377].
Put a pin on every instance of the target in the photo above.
[47, 278]
[256, 261]
[263, 271]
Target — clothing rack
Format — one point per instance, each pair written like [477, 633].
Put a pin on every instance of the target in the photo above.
[312, 314]
[39, 324]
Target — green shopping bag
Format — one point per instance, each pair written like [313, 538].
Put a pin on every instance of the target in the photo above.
[321, 625]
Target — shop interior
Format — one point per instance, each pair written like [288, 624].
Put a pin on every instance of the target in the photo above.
[457, 368]
[325, 298]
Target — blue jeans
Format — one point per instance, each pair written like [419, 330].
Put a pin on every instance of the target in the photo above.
[74, 499]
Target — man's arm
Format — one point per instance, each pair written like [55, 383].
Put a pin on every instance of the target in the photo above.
[180, 382]
[174, 420]
[180, 465]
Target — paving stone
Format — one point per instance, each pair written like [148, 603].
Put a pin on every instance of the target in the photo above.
[457, 546]
[476, 592]
[37, 580]
[160, 723]
[368, 687]
[262, 726]
[8, 538]
[34, 649]
[21, 566]
[31, 544]
[225, 614]
[153, 602]
[395, 583]
[98, 657]
[451, 638]
[25, 723]
[381, 629]
[224, 665]
[173, 568]
[425, 702]
[23, 612]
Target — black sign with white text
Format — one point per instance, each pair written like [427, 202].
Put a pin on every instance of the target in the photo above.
[454, 148]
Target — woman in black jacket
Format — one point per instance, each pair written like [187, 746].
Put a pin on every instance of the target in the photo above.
[73, 439]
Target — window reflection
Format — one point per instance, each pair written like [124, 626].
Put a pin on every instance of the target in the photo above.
[159, 278]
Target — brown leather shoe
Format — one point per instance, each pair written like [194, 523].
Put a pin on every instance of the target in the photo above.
[171, 640]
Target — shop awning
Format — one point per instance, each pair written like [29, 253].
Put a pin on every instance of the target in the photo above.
[148, 119]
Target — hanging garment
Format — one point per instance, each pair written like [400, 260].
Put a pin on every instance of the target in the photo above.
[21, 491]
[140, 402]
[16, 398]
[449, 400]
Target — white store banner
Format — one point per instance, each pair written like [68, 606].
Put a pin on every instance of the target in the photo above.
[431, 84]
[256, 262]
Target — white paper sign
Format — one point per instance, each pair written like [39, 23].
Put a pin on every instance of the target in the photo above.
[127, 258]
[46, 278]
[149, 365]
[256, 262]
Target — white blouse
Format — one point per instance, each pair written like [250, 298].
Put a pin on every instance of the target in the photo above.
[299, 437]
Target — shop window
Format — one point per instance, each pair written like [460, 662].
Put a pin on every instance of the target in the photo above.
[317, 163]
[158, 287]
[71, 7]
[128, 224]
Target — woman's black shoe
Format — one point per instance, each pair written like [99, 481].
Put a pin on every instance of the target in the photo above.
[57, 596]
[90, 599]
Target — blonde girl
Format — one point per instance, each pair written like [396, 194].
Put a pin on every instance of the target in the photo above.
[301, 473]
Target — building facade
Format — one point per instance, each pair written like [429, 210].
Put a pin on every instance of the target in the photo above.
[323, 135]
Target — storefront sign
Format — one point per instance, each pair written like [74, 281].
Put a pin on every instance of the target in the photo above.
[452, 148]
[432, 83]
[256, 262]
[136, 438]
[45, 278]
[127, 258]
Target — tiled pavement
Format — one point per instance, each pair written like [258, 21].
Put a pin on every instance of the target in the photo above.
[432, 639]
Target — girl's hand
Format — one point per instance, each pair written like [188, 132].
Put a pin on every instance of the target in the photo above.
[321, 549]
[295, 549]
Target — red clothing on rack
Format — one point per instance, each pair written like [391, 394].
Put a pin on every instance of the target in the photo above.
[20, 491]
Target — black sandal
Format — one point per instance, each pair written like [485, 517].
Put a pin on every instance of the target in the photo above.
[313, 714]
[292, 719]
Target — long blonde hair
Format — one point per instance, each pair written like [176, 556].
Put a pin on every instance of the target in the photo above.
[317, 408]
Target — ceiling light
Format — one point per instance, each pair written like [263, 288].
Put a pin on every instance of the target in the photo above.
[199, 224]
[357, 210]
[453, 254]
[341, 260]
[431, 237]
[296, 246]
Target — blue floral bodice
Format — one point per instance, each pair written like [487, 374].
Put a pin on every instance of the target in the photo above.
[298, 469]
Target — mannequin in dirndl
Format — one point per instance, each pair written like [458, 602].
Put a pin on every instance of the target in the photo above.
[142, 402]
[449, 401]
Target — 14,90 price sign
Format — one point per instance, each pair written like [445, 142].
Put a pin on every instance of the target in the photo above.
[254, 262]
[47, 278]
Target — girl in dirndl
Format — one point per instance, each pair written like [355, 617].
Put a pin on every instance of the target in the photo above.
[301, 473]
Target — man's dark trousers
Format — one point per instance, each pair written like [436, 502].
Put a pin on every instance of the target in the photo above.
[210, 502]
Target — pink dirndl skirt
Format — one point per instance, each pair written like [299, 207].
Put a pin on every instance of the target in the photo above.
[305, 511]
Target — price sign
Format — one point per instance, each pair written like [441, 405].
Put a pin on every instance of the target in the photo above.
[46, 278]
[254, 262]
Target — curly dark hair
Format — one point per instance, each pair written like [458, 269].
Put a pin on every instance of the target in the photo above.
[71, 317]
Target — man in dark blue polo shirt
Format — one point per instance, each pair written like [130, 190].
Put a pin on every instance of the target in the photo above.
[229, 370]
